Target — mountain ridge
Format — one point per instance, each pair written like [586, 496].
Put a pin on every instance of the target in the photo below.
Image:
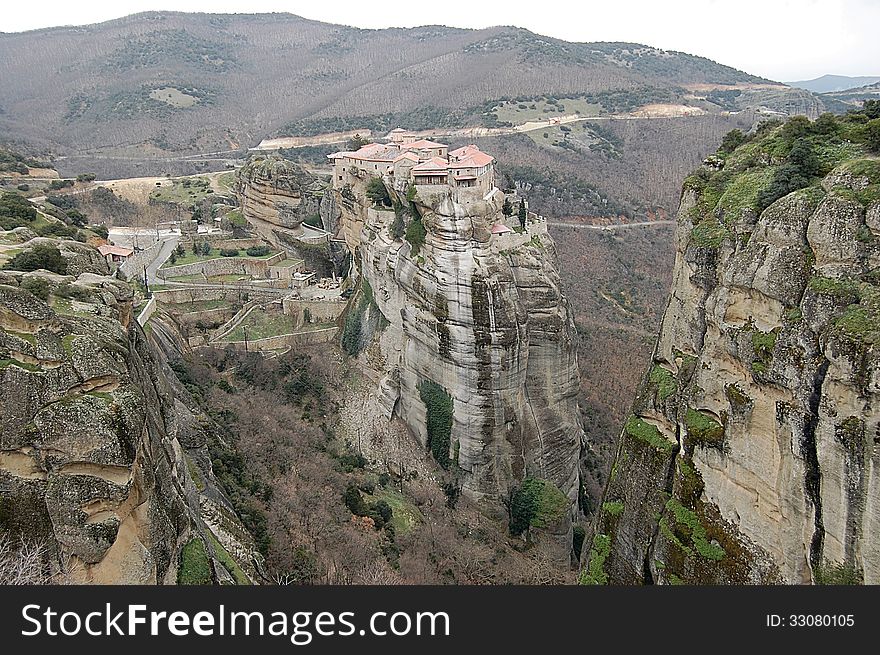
[830, 83]
[229, 65]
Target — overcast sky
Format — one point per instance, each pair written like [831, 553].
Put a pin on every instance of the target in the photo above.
[784, 40]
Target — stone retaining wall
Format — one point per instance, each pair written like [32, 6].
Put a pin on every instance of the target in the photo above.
[134, 265]
[217, 316]
[322, 311]
[324, 335]
[223, 266]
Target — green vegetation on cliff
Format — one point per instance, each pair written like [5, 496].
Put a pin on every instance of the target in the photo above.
[536, 503]
[438, 412]
[195, 566]
[751, 172]
[639, 429]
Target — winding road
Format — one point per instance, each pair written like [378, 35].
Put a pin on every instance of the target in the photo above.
[609, 228]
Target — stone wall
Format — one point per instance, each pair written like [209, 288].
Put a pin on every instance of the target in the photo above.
[133, 267]
[255, 267]
[147, 311]
[322, 311]
[305, 338]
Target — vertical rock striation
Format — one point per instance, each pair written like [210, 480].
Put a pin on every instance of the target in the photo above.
[752, 452]
[481, 316]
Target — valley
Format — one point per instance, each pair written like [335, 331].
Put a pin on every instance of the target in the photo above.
[254, 333]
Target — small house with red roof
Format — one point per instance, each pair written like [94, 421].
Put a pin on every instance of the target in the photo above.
[115, 254]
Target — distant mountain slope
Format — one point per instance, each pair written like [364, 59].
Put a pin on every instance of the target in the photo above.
[851, 98]
[832, 83]
[229, 80]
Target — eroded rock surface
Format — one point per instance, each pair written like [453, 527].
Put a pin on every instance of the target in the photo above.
[752, 455]
[480, 317]
[95, 436]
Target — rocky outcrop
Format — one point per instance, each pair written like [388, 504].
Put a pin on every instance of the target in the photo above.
[277, 195]
[752, 453]
[470, 324]
[98, 446]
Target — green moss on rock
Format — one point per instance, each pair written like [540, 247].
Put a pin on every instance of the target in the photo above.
[195, 566]
[595, 573]
[639, 429]
[686, 520]
[709, 234]
[703, 430]
[664, 380]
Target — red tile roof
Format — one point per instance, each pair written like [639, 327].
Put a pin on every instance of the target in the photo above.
[470, 156]
[107, 249]
[406, 155]
[424, 143]
[433, 164]
[374, 152]
[498, 228]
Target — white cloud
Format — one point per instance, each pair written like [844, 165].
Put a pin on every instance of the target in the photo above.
[780, 39]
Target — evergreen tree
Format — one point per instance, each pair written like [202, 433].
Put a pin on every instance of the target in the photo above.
[507, 208]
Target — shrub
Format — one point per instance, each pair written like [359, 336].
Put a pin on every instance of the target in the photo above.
[600, 551]
[536, 503]
[831, 573]
[56, 185]
[348, 462]
[384, 510]
[415, 234]
[258, 251]
[100, 230]
[46, 257]
[37, 286]
[76, 217]
[801, 166]
[73, 292]
[731, 141]
[377, 192]
[354, 501]
[228, 252]
[15, 211]
[507, 207]
[57, 230]
[24, 187]
[62, 202]
[86, 177]
[872, 135]
[438, 409]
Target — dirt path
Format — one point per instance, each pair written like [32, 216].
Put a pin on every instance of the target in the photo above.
[653, 111]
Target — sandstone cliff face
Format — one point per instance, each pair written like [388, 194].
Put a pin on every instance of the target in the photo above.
[277, 195]
[481, 317]
[752, 455]
[94, 433]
